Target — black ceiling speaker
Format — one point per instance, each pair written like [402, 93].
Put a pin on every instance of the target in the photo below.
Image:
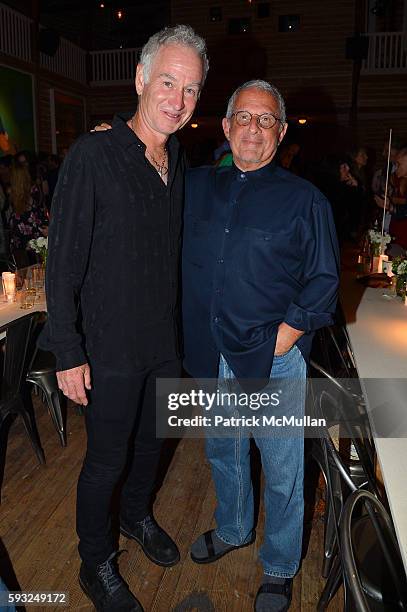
[48, 41]
[357, 48]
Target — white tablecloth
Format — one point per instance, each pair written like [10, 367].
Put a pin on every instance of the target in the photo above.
[377, 328]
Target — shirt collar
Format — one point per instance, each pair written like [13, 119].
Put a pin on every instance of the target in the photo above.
[264, 172]
[128, 138]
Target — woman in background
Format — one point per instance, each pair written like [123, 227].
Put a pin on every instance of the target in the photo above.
[28, 219]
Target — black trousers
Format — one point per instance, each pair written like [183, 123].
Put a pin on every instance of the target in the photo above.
[121, 409]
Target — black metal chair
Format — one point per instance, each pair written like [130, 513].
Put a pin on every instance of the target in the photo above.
[42, 374]
[340, 407]
[15, 364]
[371, 561]
[343, 477]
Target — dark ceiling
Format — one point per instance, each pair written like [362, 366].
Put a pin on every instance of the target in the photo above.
[89, 25]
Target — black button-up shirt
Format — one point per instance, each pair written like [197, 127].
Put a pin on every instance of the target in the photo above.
[113, 260]
[259, 248]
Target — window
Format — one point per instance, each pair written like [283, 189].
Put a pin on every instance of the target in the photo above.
[215, 13]
[239, 25]
[288, 23]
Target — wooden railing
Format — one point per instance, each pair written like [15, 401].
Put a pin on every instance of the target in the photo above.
[114, 66]
[387, 53]
[15, 33]
[69, 61]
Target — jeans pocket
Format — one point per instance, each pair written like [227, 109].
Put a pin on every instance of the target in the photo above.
[294, 346]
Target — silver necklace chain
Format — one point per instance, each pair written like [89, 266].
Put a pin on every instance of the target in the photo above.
[161, 167]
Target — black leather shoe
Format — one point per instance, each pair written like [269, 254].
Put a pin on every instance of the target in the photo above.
[155, 542]
[106, 588]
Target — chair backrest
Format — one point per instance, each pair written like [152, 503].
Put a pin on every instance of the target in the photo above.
[16, 357]
[333, 350]
[342, 400]
[388, 544]
[7, 263]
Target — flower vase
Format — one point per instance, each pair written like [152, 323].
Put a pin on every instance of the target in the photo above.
[374, 263]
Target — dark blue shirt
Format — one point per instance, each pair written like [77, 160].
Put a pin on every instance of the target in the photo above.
[259, 248]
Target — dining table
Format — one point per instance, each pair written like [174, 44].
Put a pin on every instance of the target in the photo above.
[376, 322]
[10, 311]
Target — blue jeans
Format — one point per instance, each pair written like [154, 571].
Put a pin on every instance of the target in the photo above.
[3, 591]
[283, 466]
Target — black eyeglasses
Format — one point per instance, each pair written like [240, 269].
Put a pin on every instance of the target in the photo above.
[265, 121]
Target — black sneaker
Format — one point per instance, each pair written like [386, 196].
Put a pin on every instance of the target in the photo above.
[155, 542]
[106, 588]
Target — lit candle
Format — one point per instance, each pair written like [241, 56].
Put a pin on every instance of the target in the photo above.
[9, 285]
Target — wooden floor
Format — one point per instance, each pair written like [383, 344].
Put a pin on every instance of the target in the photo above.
[37, 531]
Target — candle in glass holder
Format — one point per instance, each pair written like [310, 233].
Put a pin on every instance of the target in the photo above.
[9, 285]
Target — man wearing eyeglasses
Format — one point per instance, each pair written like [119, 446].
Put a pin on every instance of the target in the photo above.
[260, 275]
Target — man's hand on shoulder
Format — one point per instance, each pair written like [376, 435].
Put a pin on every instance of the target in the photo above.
[102, 127]
[73, 383]
[287, 336]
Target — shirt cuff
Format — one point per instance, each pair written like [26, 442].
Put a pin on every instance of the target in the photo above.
[306, 320]
[64, 360]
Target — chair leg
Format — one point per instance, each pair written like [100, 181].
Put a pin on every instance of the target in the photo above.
[329, 539]
[331, 586]
[31, 429]
[51, 393]
[330, 545]
[56, 413]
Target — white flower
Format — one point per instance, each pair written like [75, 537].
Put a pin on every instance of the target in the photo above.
[376, 237]
[39, 245]
[402, 268]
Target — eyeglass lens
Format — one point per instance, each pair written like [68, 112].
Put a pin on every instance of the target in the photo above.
[265, 121]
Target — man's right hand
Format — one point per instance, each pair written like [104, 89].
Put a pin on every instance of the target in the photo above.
[73, 383]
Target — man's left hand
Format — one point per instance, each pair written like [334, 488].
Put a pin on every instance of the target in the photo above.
[287, 336]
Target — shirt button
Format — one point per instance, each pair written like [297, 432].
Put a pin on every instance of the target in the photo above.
[242, 176]
[227, 230]
[221, 261]
[216, 319]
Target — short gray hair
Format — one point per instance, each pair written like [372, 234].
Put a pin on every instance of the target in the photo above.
[176, 35]
[258, 84]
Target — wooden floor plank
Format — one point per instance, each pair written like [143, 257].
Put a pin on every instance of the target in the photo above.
[37, 529]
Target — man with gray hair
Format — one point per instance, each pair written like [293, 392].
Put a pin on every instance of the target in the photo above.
[113, 302]
[260, 275]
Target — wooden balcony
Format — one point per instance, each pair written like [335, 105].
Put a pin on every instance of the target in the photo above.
[114, 66]
[387, 53]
